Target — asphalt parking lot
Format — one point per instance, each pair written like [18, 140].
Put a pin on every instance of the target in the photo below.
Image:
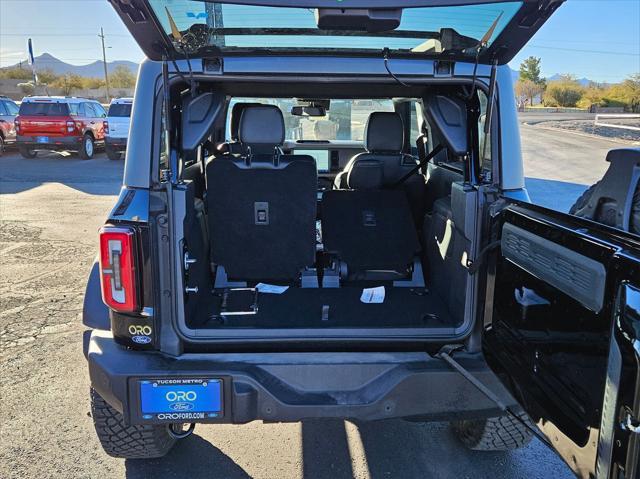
[50, 210]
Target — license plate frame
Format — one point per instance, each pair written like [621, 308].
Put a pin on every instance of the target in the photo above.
[181, 399]
[42, 139]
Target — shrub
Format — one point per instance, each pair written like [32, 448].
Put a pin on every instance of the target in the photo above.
[565, 92]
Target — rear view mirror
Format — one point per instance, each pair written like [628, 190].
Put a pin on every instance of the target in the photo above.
[308, 110]
[358, 19]
[449, 116]
[199, 113]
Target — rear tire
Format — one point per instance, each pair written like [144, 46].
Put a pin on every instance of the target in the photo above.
[87, 148]
[26, 152]
[113, 154]
[502, 433]
[128, 442]
[2, 145]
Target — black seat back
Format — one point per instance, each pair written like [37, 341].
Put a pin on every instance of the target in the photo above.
[262, 208]
[369, 230]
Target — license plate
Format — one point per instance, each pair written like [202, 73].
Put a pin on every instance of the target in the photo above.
[181, 399]
[42, 139]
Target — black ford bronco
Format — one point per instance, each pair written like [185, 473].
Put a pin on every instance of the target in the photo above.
[323, 215]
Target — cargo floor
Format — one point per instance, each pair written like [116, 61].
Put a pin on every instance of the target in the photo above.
[303, 308]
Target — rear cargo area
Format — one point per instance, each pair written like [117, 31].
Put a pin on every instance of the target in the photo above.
[326, 308]
[326, 234]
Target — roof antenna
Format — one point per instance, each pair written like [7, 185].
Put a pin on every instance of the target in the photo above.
[385, 55]
[482, 44]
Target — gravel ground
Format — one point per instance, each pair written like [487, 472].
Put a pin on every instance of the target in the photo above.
[50, 211]
[587, 127]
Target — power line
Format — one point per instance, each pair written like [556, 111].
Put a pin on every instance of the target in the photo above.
[584, 50]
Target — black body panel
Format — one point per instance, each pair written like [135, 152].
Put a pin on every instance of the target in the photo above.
[289, 387]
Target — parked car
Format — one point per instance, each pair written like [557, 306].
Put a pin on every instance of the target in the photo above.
[400, 271]
[8, 112]
[116, 127]
[60, 123]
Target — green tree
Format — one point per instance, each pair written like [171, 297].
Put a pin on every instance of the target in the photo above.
[92, 83]
[47, 76]
[530, 70]
[121, 77]
[69, 82]
[527, 90]
[626, 93]
[565, 92]
[16, 73]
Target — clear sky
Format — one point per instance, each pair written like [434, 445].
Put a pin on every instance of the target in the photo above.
[597, 39]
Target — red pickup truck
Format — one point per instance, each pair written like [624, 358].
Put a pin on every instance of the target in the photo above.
[60, 123]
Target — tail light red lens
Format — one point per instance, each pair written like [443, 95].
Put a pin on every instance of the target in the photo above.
[16, 123]
[118, 274]
[71, 125]
[105, 126]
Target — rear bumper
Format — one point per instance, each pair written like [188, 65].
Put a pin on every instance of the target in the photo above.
[289, 387]
[53, 143]
[117, 144]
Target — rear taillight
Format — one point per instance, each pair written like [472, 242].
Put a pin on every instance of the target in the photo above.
[71, 125]
[118, 268]
[105, 126]
[16, 123]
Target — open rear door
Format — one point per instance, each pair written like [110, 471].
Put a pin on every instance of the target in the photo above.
[448, 29]
[562, 330]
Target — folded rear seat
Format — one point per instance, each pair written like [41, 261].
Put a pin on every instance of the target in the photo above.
[262, 207]
[371, 232]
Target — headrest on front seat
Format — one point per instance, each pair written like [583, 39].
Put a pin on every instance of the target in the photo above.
[261, 126]
[236, 113]
[384, 132]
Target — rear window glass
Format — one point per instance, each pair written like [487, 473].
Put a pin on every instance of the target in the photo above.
[120, 109]
[422, 29]
[345, 119]
[44, 109]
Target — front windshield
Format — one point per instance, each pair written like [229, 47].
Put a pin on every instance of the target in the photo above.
[422, 29]
[345, 119]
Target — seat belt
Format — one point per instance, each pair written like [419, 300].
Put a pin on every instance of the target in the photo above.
[421, 164]
[421, 147]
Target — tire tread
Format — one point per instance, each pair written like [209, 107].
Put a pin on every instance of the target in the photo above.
[129, 442]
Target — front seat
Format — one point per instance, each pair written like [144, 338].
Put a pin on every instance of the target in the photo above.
[384, 140]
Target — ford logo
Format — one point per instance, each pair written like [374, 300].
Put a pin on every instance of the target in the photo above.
[141, 339]
[181, 406]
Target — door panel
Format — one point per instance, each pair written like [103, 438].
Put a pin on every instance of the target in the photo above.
[552, 292]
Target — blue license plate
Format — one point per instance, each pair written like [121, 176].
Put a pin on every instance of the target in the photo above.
[181, 399]
[42, 139]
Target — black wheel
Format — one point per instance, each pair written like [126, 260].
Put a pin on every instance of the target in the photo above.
[27, 152]
[86, 148]
[2, 145]
[112, 154]
[608, 212]
[128, 442]
[494, 434]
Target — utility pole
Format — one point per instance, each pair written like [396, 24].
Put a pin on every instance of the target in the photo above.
[104, 63]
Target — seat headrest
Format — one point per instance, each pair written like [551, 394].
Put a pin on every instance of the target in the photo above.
[261, 126]
[384, 132]
[236, 113]
[365, 174]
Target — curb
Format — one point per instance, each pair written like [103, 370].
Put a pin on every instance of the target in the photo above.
[585, 135]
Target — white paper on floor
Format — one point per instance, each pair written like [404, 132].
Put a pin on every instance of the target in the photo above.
[372, 295]
[271, 288]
